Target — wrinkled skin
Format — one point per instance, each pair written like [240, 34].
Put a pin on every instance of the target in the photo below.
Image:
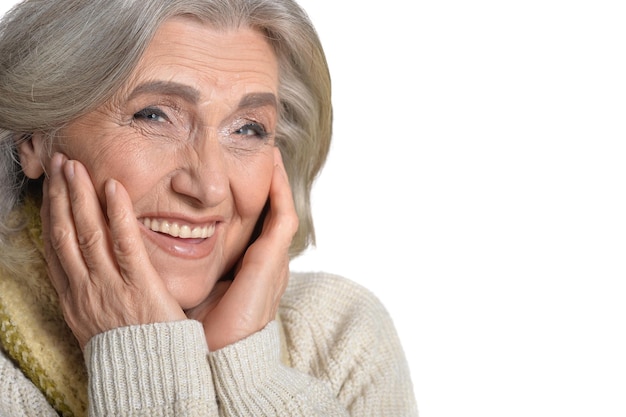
[188, 140]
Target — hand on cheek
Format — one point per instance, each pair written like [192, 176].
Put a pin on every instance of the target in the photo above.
[100, 269]
[244, 306]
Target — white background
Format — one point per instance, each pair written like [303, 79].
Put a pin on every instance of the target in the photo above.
[476, 185]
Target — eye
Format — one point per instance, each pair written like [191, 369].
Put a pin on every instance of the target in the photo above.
[150, 114]
[252, 129]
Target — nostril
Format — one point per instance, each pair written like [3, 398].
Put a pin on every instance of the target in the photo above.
[205, 186]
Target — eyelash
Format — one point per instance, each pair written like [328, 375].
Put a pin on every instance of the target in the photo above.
[150, 114]
[153, 114]
[259, 130]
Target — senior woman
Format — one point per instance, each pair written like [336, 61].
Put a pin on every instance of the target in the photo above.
[157, 159]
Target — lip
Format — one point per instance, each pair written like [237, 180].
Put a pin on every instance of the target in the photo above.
[186, 248]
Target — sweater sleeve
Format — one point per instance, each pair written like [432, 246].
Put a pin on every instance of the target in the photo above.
[250, 380]
[150, 370]
[344, 354]
[165, 369]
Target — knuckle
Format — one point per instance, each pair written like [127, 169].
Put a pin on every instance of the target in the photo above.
[60, 237]
[125, 245]
[56, 193]
[78, 199]
[90, 240]
[117, 216]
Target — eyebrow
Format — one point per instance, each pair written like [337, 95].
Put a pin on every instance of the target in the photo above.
[192, 95]
[167, 88]
[258, 100]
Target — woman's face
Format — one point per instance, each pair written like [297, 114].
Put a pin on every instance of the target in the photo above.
[190, 136]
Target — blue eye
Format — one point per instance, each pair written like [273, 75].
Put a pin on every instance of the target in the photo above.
[252, 129]
[150, 114]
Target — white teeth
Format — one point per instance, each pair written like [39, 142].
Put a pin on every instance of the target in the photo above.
[184, 231]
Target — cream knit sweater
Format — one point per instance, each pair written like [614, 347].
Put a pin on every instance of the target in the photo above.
[333, 351]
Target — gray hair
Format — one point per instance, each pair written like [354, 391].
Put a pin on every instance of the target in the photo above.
[60, 59]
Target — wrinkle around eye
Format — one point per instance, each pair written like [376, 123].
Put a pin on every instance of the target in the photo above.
[155, 122]
[162, 131]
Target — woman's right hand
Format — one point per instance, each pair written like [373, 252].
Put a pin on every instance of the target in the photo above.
[98, 264]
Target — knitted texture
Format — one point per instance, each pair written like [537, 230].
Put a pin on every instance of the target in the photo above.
[32, 329]
[344, 356]
[164, 371]
[340, 333]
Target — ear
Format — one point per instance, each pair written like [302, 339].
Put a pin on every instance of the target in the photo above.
[31, 152]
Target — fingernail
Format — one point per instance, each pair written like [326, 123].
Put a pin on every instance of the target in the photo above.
[69, 169]
[56, 162]
[109, 188]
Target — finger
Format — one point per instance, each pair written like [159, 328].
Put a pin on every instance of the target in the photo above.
[55, 269]
[89, 221]
[62, 251]
[127, 241]
[281, 221]
[135, 266]
[282, 206]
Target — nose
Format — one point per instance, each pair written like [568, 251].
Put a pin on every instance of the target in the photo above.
[203, 177]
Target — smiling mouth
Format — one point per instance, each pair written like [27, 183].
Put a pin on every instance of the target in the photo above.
[180, 231]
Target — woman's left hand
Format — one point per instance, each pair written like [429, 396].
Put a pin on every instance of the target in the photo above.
[238, 308]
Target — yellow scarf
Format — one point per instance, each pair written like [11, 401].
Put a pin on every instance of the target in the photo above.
[32, 329]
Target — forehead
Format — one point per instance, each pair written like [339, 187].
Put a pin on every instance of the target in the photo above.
[190, 52]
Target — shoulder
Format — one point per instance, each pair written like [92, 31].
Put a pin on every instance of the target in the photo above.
[314, 290]
[330, 310]
[339, 332]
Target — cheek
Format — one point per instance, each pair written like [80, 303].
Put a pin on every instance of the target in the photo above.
[117, 158]
[251, 189]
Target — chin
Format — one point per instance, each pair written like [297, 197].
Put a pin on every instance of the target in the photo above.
[190, 298]
[189, 290]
